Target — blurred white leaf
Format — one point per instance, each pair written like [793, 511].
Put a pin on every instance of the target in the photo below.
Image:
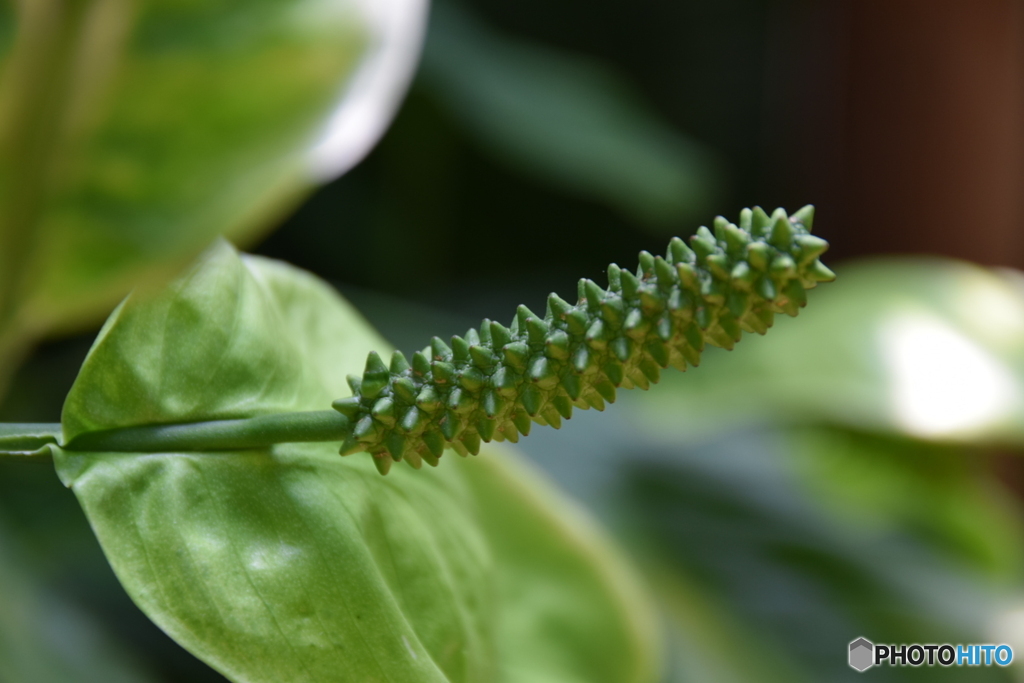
[942, 382]
[370, 101]
[923, 347]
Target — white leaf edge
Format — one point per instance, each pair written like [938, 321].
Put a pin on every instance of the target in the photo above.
[372, 97]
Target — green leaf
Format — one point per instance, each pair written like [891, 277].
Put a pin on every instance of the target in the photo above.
[570, 608]
[568, 119]
[809, 538]
[232, 338]
[709, 642]
[295, 564]
[927, 348]
[132, 134]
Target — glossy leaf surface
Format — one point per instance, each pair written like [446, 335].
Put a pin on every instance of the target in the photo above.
[295, 564]
[229, 339]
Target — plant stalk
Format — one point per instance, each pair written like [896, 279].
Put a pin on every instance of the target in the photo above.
[255, 432]
[27, 439]
[220, 435]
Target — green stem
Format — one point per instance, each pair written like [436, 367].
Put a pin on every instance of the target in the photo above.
[27, 439]
[255, 432]
[219, 435]
[260, 432]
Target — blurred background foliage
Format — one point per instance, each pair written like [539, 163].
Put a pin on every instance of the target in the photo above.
[854, 473]
[108, 179]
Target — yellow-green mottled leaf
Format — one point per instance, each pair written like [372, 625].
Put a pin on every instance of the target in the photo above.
[132, 132]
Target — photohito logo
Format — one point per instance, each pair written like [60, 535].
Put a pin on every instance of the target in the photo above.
[864, 654]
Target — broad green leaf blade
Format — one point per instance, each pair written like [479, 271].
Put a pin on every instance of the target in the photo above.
[232, 338]
[571, 611]
[570, 120]
[296, 564]
[334, 345]
[301, 566]
[927, 348]
[133, 133]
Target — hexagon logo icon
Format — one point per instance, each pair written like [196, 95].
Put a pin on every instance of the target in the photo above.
[862, 654]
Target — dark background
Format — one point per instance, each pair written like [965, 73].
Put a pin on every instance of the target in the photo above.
[902, 121]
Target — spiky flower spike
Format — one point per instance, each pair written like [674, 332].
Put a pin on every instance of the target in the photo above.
[492, 383]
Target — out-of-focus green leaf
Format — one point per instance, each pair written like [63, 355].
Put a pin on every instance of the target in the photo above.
[710, 642]
[928, 348]
[132, 133]
[566, 118]
[751, 522]
[888, 524]
[295, 564]
[944, 497]
[43, 640]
